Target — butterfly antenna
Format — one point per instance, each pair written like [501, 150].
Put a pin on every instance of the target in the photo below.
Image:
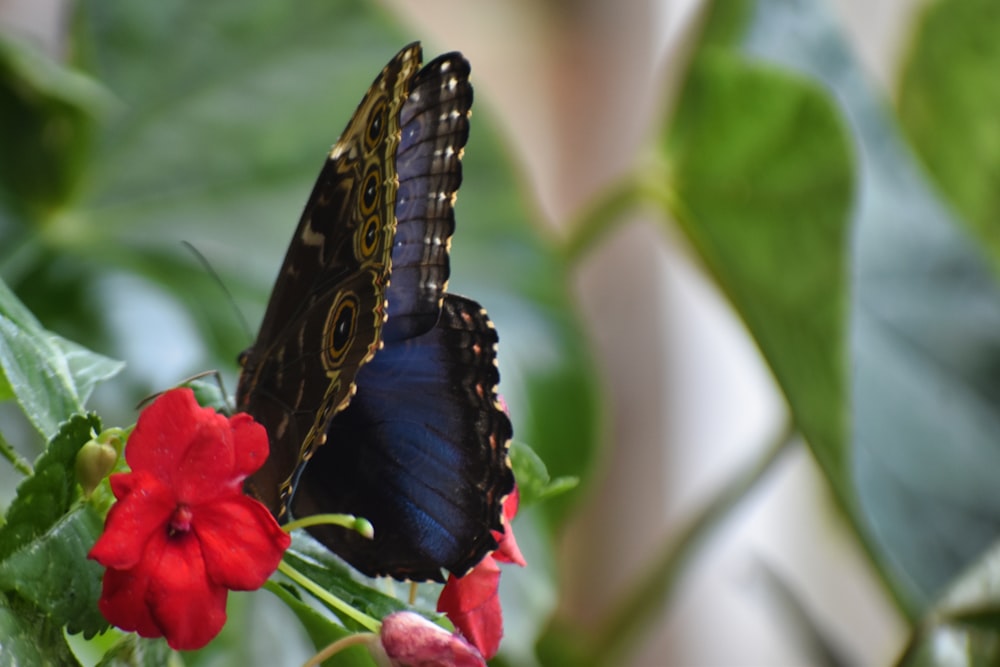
[222, 285]
[216, 375]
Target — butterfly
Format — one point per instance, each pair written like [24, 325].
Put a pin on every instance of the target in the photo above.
[378, 388]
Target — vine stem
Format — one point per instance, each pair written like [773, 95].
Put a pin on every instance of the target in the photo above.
[19, 462]
[650, 187]
[653, 589]
[359, 639]
[645, 187]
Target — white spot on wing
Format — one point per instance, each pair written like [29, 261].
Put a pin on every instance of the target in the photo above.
[309, 237]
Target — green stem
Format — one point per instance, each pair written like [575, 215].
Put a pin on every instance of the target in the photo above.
[653, 589]
[20, 463]
[349, 521]
[647, 185]
[601, 218]
[329, 598]
[360, 639]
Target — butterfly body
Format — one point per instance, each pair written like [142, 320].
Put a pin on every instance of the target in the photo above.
[377, 388]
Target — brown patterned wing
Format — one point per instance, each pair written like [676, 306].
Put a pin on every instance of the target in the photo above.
[328, 306]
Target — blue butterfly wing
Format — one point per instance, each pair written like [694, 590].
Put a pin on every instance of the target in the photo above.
[421, 452]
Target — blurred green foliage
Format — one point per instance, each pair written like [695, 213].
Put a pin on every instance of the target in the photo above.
[868, 288]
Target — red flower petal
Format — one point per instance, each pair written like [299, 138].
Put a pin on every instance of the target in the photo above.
[507, 549]
[468, 593]
[162, 433]
[124, 483]
[182, 531]
[123, 598]
[241, 542]
[133, 520]
[472, 602]
[207, 470]
[473, 605]
[251, 445]
[189, 609]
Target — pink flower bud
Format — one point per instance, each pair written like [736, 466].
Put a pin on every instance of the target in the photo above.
[410, 640]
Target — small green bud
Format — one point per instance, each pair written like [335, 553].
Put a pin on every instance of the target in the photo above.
[97, 458]
[364, 527]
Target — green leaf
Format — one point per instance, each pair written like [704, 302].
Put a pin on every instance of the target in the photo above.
[54, 574]
[12, 309]
[50, 376]
[134, 651]
[726, 24]
[762, 177]
[923, 342]
[52, 108]
[86, 368]
[6, 391]
[533, 481]
[948, 100]
[38, 377]
[209, 394]
[28, 637]
[322, 630]
[46, 496]
[317, 563]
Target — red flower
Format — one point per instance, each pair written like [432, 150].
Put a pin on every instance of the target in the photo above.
[471, 601]
[410, 640]
[182, 531]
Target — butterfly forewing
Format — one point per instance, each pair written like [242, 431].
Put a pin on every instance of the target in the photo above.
[435, 127]
[327, 308]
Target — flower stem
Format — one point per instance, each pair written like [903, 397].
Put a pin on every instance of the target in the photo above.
[362, 526]
[336, 647]
[652, 590]
[20, 463]
[329, 598]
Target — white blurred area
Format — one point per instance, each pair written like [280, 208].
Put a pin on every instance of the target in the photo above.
[577, 87]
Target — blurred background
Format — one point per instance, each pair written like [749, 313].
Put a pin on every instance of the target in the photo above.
[741, 257]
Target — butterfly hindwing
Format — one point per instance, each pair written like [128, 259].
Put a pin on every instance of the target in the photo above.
[420, 451]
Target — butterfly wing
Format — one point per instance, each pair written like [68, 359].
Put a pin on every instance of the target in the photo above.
[421, 452]
[327, 309]
[435, 127]
[421, 448]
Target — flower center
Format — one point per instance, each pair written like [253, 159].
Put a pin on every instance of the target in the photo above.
[180, 521]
